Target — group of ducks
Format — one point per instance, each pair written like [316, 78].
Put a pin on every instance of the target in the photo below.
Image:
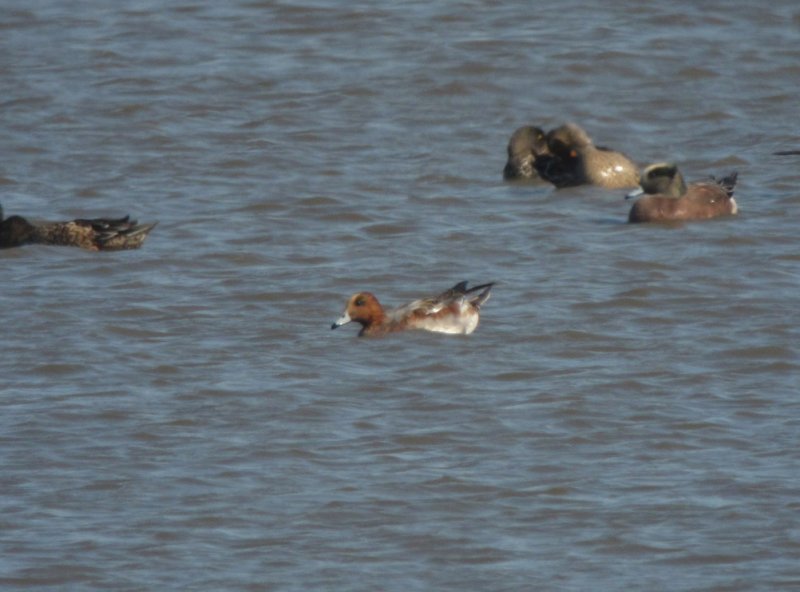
[565, 157]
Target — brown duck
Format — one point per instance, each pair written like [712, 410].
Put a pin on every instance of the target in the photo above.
[97, 234]
[454, 311]
[669, 199]
[573, 160]
[526, 144]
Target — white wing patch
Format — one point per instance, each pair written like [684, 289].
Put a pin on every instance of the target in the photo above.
[462, 321]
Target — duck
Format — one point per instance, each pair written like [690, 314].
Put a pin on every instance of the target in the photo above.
[454, 311]
[667, 197]
[96, 234]
[573, 160]
[526, 144]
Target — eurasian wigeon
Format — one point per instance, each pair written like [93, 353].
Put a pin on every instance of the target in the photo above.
[454, 311]
[573, 160]
[669, 199]
[525, 145]
[99, 234]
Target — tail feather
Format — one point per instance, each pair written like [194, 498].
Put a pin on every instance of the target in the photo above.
[483, 296]
[461, 290]
[141, 229]
[124, 235]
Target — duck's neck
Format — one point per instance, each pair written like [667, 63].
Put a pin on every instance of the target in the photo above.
[678, 185]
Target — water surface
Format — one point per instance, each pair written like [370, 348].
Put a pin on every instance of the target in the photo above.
[181, 417]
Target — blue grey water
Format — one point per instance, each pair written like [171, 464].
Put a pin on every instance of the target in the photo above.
[181, 417]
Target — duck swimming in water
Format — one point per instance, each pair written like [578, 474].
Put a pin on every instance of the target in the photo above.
[667, 197]
[454, 311]
[525, 145]
[96, 234]
[572, 159]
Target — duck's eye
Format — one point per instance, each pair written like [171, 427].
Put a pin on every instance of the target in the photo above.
[360, 301]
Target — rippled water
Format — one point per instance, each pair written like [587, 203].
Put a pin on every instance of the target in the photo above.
[181, 417]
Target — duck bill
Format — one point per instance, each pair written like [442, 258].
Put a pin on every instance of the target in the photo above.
[635, 193]
[342, 320]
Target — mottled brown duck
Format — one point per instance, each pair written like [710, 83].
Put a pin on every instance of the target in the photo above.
[97, 234]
